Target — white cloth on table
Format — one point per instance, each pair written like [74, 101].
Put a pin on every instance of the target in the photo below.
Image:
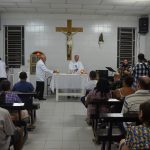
[68, 81]
[41, 69]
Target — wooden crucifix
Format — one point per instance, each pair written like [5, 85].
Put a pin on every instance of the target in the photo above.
[69, 31]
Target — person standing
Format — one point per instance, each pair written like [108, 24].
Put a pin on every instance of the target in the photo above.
[3, 75]
[41, 69]
[76, 66]
[141, 68]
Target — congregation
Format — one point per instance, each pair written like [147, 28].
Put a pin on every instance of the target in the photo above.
[130, 86]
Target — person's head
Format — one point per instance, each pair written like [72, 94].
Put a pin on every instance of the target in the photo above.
[141, 57]
[125, 61]
[128, 81]
[143, 83]
[23, 76]
[0, 58]
[102, 86]
[116, 76]
[43, 58]
[92, 75]
[76, 58]
[144, 111]
[5, 85]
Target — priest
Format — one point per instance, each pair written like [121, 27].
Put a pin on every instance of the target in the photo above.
[76, 66]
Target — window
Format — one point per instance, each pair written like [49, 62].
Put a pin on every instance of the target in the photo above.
[14, 46]
[126, 45]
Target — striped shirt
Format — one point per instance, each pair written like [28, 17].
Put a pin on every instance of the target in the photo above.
[140, 69]
[133, 101]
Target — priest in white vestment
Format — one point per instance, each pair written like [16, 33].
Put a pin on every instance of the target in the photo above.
[76, 66]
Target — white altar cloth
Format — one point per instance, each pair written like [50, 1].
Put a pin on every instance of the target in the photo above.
[66, 82]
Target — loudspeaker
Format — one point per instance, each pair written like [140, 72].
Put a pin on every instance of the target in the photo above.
[143, 25]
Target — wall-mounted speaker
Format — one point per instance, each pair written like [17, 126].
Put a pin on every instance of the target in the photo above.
[143, 25]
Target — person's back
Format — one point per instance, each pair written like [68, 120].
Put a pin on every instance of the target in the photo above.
[141, 68]
[133, 101]
[10, 96]
[91, 84]
[23, 85]
[117, 83]
[6, 129]
[138, 137]
[126, 90]
[101, 91]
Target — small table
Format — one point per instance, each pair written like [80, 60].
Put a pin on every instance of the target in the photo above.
[69, 84]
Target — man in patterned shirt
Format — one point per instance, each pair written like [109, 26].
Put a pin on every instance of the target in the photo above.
[141, 68]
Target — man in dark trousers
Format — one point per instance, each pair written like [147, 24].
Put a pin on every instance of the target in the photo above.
[41, 69]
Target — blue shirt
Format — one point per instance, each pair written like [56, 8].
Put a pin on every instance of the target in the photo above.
[23, 86]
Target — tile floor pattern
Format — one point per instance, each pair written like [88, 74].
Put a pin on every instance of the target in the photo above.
[61, 126]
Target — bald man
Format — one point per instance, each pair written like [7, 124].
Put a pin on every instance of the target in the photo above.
[142, 94]
[76, 66]
[41, 69]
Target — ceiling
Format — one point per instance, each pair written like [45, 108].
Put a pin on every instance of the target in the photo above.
[81, 7]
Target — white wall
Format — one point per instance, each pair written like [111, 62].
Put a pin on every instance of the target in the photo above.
[40, 34]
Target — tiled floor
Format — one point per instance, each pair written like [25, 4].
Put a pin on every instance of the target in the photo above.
[61, 126]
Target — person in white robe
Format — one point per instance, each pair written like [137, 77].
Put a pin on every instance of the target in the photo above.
[76, 66]
[41, 69]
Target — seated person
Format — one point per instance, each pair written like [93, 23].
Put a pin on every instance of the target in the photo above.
[126, 90]
[101, 91]
[10, 97]
[138, 137]
[7, 96]
[7, 130]
[117, 82]
[23, 86]
[125, 69]
[91, 84]
[132, 102]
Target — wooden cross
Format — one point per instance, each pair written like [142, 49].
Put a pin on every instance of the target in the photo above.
[69, 31]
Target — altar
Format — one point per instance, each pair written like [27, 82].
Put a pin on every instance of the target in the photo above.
[68, 84]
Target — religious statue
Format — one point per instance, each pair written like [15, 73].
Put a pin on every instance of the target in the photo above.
[69, 45]
[69, 31]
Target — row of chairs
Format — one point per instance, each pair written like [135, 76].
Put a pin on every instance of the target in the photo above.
[107, 127]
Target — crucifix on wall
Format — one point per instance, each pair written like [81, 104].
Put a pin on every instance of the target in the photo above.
[69, 31]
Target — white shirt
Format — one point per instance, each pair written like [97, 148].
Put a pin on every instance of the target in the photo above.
[41, 69]
[2, 69]
[75, 65]
[7, 129]
[91, 84]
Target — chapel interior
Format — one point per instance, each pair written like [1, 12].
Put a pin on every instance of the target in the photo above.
[102, 32]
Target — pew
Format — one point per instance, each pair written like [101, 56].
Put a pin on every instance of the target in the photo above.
[107, 135]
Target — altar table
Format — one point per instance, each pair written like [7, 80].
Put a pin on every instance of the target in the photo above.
[68, 84]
